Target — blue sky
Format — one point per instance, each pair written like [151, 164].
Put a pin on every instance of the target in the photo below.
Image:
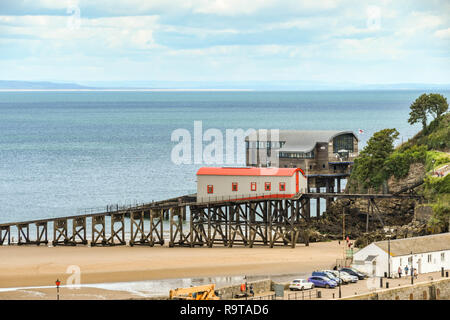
[226, 41]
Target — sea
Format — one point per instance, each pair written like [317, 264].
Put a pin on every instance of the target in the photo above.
[67, 152]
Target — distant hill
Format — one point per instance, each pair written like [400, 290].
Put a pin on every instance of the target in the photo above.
[226, 85]
[36, 85]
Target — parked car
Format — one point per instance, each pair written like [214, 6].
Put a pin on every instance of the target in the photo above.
[323, 282]
[347, 278]
[300, 284]
[327, 275]
[354, 272]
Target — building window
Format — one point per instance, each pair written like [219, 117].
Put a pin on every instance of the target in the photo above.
[429, 258]
[253, 186]
[343, 142]
[234, 186]
[297, 155]
[409, 260]
[267, 186]
[323, 166]
[282, 186]
[443, 256]
[210, 188]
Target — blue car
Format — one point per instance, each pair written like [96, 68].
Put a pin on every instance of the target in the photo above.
[322, 282]
[328, 275]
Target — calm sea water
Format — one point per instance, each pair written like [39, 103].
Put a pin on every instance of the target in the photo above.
[64, 151]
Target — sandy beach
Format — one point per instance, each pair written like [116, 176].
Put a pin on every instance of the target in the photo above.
[41, 266]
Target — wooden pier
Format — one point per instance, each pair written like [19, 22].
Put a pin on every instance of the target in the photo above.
[268, 222]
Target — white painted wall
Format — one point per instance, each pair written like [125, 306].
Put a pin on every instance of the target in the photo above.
[381, 261]
[420, 261]
[223, 191]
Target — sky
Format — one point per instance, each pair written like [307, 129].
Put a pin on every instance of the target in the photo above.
[342, 41]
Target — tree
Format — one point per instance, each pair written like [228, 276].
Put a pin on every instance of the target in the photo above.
[437, 104]
[434, 104]
[419, 111]
[369, 167]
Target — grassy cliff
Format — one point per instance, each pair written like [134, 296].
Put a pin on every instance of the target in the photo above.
[429, 148]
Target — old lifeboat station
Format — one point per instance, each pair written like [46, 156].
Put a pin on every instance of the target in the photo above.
[304, 160]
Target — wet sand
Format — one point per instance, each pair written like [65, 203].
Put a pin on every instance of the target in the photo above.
[40, 266]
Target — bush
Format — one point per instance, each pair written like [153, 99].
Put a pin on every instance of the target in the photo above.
[439, 158]
[398, 163]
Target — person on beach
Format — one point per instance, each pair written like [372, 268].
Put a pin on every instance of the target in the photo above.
[400, 272]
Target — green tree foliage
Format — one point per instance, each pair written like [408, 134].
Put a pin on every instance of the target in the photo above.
[399, 162]
[437, 105]
[419, 111]
[433, 104]
[369, 166]
[436, 137]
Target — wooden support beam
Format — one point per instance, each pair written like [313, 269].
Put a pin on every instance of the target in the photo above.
[318, 207]
[378, 213]
[5, 235]
[117, 229]
[60, 233]
[79, 231]
[98, 230]
[367, 215]
[177, 237]
[137, 232]
[23, 231]
[156, 234]
[42, 233]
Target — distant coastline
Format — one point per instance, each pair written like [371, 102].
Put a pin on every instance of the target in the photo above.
[117, 90]
[155, 86]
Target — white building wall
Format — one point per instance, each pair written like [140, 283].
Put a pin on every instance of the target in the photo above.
[381, 261]
[222, 186]
[420, 261]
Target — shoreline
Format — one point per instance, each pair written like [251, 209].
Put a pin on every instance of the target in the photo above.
[41, 266]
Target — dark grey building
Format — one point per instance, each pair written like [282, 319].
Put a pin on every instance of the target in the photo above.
[325, 156]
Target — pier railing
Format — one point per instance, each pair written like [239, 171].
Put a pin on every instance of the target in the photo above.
[275, 219]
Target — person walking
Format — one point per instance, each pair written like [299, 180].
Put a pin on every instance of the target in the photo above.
[400, 272]
[415, 273]
[406, 270]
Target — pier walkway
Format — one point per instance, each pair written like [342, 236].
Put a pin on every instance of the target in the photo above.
[224, 221]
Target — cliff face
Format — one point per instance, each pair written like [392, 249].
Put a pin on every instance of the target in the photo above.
[396, 214]
[416, 173]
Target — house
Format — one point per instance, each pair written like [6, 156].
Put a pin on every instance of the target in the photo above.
[221, 184]
[324, 156]
[426, 254]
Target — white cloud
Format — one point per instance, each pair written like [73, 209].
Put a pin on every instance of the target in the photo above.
[443, 33]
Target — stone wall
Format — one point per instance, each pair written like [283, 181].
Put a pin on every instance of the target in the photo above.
[430, 290]
[260, 286]
[423, 213]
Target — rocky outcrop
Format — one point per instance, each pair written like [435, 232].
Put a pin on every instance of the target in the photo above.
[397, 214]
[416, 174]
[412, 229]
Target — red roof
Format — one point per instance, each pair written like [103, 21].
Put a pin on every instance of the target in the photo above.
[253, 171]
